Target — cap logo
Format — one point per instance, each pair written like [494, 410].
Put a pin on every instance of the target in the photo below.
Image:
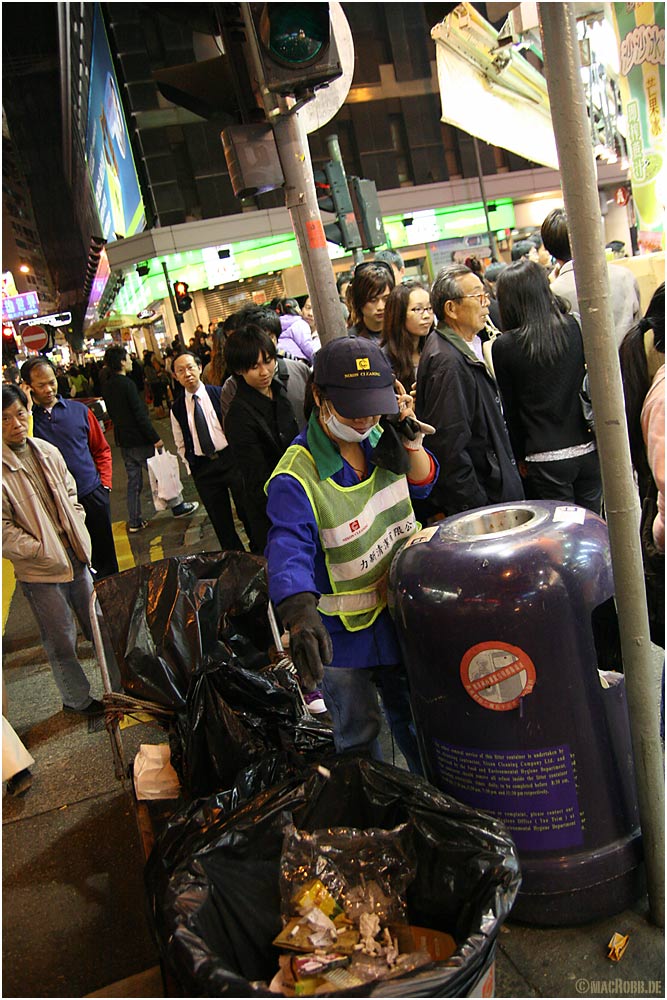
[363, 364]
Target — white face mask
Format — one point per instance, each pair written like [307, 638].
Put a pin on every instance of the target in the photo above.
[343, 431]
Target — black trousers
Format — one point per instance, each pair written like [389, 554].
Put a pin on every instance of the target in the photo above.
[214, 478]
[98, 522]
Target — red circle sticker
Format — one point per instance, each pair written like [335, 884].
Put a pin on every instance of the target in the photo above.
[497, 675]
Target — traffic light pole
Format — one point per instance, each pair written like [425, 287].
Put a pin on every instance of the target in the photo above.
[178, 317]
[301, 199]
[335, 154]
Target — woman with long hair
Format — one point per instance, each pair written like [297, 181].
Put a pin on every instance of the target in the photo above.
[408, 319]
[539, 365]
[367, 296]
[215, 372]
[295, 338]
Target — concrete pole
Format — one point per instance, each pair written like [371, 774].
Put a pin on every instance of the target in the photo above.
[301, 201]
[575, 154]
[300, 197]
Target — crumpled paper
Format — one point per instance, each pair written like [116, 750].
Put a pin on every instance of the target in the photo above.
[154, 777]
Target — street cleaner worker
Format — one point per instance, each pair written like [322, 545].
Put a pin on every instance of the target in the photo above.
[339, 502]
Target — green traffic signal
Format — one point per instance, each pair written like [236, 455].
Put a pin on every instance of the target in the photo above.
[296, 33]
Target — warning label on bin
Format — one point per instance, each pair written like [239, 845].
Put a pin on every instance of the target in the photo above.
[496, 675]
[534, 792]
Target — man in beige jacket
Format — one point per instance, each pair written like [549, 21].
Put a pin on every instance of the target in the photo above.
[45, 538]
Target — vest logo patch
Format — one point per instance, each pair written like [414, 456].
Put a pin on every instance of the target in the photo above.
[354, 526]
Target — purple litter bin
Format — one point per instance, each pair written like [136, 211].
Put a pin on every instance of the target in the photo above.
[508, 629]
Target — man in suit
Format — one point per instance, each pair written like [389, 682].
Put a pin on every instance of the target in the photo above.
[196, 421]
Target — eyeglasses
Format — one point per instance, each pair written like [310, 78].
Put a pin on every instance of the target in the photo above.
[481, 297]
[422, 310]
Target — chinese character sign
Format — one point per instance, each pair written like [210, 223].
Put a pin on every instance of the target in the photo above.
[640, 30]
[18, 306]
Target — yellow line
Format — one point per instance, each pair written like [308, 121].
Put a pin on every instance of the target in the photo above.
[121, 540]
[8, 588]
[155, 549]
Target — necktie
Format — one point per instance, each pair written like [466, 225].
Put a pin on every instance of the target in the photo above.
[203, 433]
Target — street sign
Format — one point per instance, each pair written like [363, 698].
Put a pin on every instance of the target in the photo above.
[35, 338]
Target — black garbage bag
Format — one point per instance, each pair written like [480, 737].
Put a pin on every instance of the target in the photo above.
[235, 716]
[213, 876]
[165, 617]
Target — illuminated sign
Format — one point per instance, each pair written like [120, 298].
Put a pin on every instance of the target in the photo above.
[108, 150]
[53, 319]
[18, 306]
[8, 284]
[225, 263]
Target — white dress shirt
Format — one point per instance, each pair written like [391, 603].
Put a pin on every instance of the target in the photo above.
[215, 429]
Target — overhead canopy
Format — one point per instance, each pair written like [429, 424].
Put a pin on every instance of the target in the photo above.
[490, 90]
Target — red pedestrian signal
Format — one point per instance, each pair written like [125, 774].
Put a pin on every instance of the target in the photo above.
[183, 300]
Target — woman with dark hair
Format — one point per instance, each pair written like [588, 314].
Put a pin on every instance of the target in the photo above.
[539, 365]
[260, 421]
[408, 319]
[642, 357]
[214, 372]
[367, 296]
[295, 338]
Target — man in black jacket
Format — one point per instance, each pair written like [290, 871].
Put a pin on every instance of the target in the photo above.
[135, 435]
[458, 395]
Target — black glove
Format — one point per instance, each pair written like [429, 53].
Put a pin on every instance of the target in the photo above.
[309, 642]
[389, 452]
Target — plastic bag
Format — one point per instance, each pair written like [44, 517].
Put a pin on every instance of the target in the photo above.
[165, 617]
[235, 716]
[360, 870]
[164, 478]
[213, 877]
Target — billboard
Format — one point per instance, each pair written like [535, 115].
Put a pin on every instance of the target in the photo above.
[108, 152]
[640, 30]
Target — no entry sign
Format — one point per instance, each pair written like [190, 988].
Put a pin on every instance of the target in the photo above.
[35, 337]
[496, 675]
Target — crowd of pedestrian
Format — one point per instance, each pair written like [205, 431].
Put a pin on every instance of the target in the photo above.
[440, 400]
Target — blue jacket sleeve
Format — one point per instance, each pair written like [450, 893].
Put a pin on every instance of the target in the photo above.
[292, 549]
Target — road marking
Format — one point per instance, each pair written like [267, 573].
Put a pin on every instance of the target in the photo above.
[8, 588]
[155, 549]
[121, 541]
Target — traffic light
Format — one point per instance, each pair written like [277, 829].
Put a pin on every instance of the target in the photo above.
[183, 300]
[9, 346]
[297, 46]
[333, 196]
[367, 212]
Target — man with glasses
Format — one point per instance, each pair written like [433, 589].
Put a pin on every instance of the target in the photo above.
[457, 393]
[196, 422]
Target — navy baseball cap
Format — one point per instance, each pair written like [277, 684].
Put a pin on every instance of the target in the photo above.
[356, 377]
